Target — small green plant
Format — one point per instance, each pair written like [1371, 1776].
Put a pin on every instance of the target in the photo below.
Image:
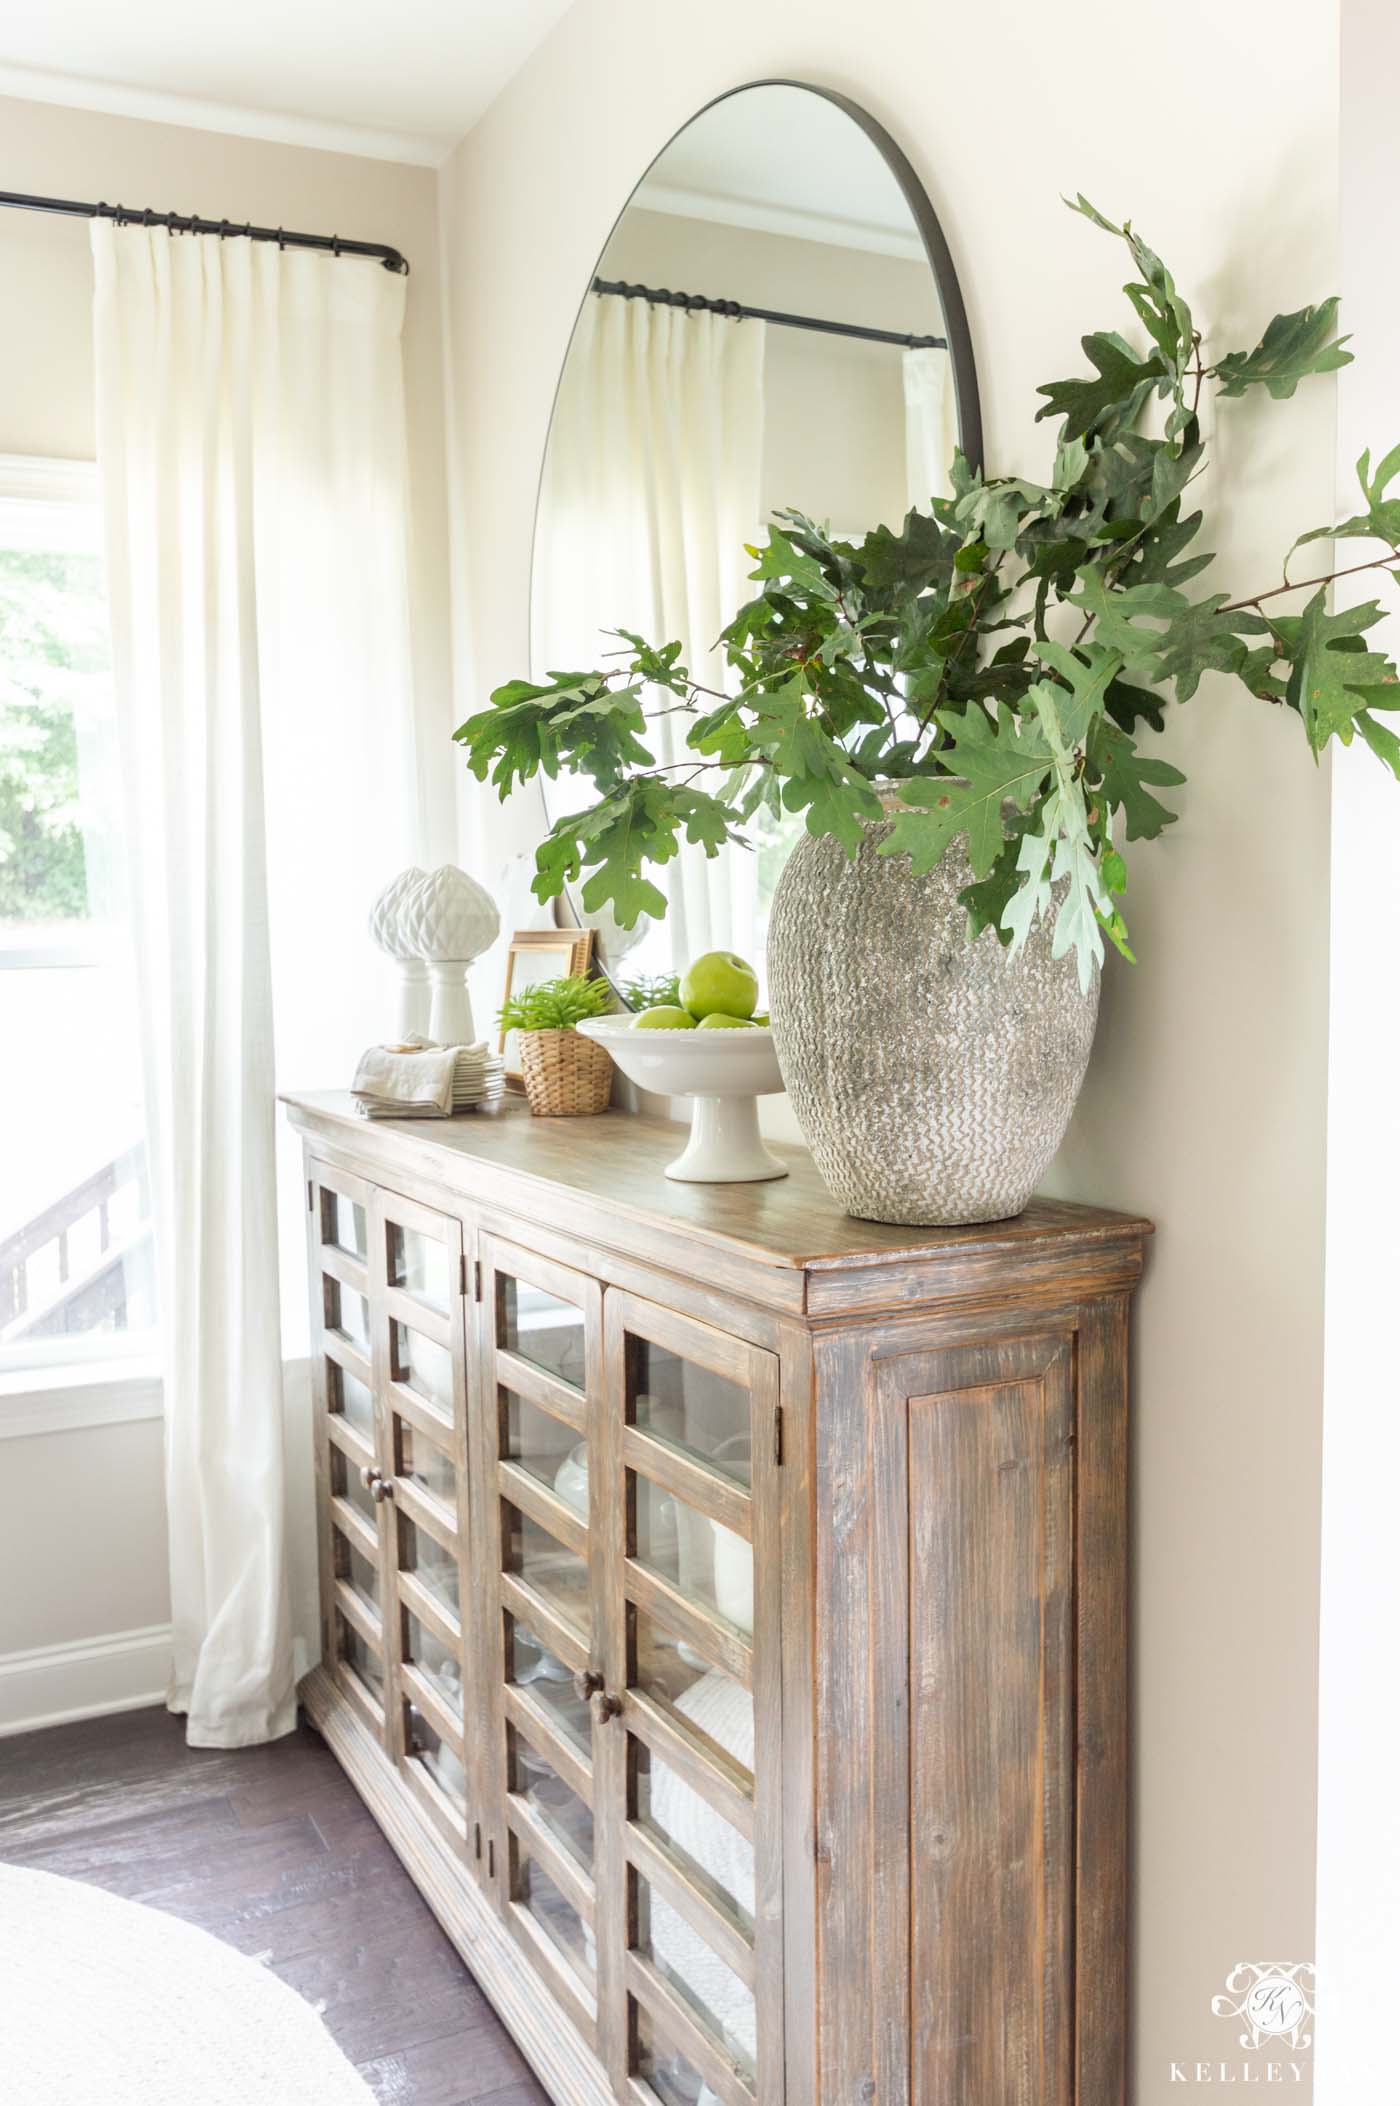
[555, 1005]
[652, 991]
[1002, 658]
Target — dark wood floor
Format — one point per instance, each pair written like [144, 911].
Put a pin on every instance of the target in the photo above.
[271, 1850]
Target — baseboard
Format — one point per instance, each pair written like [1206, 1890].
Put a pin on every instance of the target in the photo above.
[54, 1684]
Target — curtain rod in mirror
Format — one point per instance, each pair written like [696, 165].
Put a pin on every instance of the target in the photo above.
[700, 303]
[191, 223]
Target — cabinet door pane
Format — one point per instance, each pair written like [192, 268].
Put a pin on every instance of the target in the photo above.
[549, 1448]
[343, 1223]
[422, 1265]
[689, 1508]
[424, 1459]
[423, 1366]
[698, 1409]
[557, 1917]
[431, 1563]
[543, 1329]
[532, 1667]
[707, 1562]
[363, 1659]
[347, 1312]
[351, 1399]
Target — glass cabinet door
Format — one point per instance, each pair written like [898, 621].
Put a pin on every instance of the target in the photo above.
[688, 1792]
[542, 1363]
[351, 1533]
[417, 1278]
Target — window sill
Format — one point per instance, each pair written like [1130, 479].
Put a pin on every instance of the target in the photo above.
[67, 1399]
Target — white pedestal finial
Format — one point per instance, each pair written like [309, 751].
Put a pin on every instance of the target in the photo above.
[451, 1017]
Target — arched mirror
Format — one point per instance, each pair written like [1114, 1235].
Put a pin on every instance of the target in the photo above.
[775, 322]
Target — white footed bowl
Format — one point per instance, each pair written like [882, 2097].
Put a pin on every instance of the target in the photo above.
[724, 1071]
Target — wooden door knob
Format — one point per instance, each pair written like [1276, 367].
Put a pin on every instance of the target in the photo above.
[369, 1476]
[381, 1489]
[604, 1706]
[587, 1683]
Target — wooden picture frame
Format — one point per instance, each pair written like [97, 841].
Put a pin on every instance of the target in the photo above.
[541, 954]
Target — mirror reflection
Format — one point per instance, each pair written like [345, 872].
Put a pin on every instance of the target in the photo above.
[764, 330]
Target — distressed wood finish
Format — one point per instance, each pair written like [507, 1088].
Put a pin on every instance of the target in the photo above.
[937, 1516]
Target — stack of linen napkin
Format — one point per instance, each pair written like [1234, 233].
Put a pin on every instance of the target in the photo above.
[421, 1080]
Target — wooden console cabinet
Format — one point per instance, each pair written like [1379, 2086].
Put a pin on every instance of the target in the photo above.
[724, 1610]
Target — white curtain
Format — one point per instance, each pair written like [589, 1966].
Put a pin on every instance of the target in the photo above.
[251, 450]
[930, 425]
[650, 493]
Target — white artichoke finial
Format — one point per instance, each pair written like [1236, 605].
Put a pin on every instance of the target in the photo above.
[385, 916]
[448, 916]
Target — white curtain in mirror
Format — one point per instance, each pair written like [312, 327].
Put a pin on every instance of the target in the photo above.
[930, 425]
[251, 448]
[651, 492]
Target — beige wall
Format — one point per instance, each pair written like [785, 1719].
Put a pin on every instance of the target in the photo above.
[1205, 1103]
[88, 1533]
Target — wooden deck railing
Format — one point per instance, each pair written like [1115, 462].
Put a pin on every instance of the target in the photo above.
[90, 1291]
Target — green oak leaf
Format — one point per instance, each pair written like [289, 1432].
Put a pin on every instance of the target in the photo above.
[1331, 668]
[1154, 560]
[1121, 376]
[1124, 776]
[1129, 706]
[780, 559]
[1293, 346]
[1204, 636]
[989, 765]
[1120, 610]
[909, 561]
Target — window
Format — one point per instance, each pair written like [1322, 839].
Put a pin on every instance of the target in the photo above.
[77, 1274]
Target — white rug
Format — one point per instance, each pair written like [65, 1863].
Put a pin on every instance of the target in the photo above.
[106, 2003]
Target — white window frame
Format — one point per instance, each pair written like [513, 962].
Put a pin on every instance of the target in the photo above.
[59, 1389]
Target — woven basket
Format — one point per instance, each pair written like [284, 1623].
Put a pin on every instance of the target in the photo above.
[566, 1075]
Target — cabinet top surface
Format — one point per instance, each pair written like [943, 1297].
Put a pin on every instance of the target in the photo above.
[616, 1161]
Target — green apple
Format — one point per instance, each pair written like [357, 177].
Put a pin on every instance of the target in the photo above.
[664, 1017]
[760, 1016]
[721, 981]
[718, 1021]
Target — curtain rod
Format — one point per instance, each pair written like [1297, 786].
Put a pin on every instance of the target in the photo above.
[697, 303]
[191, 223]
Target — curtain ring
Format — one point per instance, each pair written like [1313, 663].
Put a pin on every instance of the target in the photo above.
[223, 230]
[281, 238]
[335, 244]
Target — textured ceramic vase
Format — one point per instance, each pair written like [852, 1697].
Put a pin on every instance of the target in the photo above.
[933, 1078]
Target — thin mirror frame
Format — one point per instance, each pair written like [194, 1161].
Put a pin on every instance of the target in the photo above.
[945, 278]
